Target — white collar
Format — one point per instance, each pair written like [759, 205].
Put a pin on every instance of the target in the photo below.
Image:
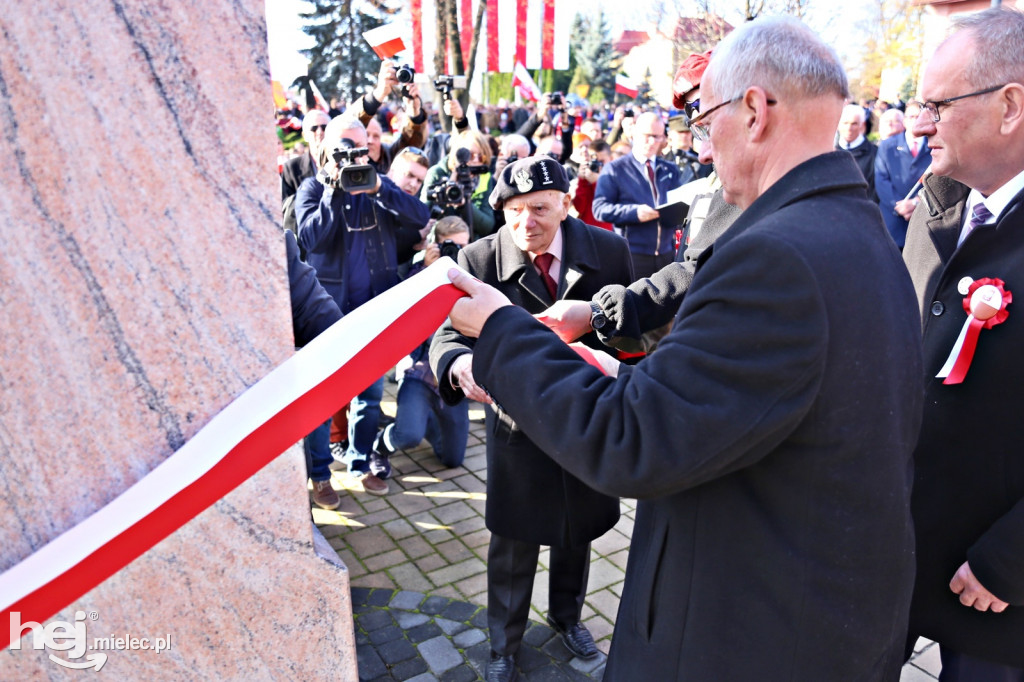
[998, 200]
[852, 145]
[642, 160]
[554, 248]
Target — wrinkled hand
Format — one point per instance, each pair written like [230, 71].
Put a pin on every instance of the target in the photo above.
[608, 363]
[973, 593]
[471, 312]
[462, 373]
[645, 213]
[906, 208]
[569, 319]
[387, 79]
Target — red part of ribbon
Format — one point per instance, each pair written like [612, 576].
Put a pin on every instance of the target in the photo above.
[966, 354]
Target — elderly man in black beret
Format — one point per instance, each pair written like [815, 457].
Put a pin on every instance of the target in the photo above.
[539, 256]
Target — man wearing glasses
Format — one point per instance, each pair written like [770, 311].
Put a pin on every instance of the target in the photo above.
[631, 187]
[965, 237]
[414, 129]
[351, 240]
[768, 438]
[301, 167]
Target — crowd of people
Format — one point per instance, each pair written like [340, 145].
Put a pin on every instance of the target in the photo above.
[793, 346]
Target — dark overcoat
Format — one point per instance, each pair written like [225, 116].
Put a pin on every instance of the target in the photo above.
[768, 439]
[529, 497]
[969, 483]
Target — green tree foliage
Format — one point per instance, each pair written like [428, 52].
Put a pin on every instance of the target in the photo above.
[594, 56]
[341, 62]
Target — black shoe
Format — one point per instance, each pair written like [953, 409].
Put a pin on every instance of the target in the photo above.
[576, 638]
[501, 668]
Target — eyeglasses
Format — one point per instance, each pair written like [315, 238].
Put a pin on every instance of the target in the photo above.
[322, 126]
[702, 131]
[932, 107]
[691, 108]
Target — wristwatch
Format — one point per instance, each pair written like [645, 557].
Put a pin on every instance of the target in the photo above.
[597, 317]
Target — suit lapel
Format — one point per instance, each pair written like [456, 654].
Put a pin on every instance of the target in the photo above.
[579, 254]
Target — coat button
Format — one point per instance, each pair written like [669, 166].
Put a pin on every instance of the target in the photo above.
[938, 308]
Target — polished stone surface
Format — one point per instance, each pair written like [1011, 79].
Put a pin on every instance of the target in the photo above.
[143, 288]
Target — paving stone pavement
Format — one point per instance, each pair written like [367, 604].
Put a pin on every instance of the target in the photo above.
[417, 564]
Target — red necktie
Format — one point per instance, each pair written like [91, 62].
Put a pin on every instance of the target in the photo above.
[913, 149]
[543, 263]
[654, 184]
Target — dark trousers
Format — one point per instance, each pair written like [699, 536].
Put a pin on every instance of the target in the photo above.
[511, 567]
[957, 667]
[645, 265]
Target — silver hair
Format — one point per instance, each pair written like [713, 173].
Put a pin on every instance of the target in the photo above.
[781, 55]
[892, 115]
[312, 115]
[514, 140]
[998, 36]
[856, 110]
[340, 124]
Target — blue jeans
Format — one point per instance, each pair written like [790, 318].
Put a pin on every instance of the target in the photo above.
[363, 418]
[318, 452]
[422, 413]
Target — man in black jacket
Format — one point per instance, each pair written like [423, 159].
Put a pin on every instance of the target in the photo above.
[540, 255]
[968, 500]
[769, 436]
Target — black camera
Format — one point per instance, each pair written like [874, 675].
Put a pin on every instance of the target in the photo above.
[354, 177]
[556, 99]
[628, 113]
[445, 85]
[595, 166]
[449, 248]
[405, 75]
[512, 158]
[447, 193]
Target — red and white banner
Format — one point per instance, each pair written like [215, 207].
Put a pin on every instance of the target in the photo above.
[534, 32]
[522, 81]
[626, 86]
[321, 103]
[386, 40]
[254, 429]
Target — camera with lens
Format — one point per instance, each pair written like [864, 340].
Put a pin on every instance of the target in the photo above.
[447, 193]
[628, 113]
[595, 166]
[445, 85]
[354, 177]
[449, 248]
[405, 75]
[512, 158]
[556, 99]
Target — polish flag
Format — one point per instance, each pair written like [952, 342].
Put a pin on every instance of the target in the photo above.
[626, 86]
[385, 40]
[533, 32]
[522, 81]
[321, 103]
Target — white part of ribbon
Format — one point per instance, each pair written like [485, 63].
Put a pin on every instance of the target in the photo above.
[955, 353]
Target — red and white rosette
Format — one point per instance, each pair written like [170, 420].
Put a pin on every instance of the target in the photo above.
[985, 305]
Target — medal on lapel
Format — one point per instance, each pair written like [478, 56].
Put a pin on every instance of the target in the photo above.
[985, 305]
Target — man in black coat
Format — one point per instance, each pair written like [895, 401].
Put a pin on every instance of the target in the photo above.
[531, 500]
[769, 436]
[852, 138]
[968, 502]
[301, 167]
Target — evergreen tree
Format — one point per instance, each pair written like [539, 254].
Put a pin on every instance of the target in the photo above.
[341, 62]
[595, 56]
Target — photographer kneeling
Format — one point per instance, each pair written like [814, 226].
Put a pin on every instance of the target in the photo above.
[348, 218]
[421, 411]
[470, 176]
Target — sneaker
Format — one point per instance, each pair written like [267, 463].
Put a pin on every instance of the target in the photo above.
[324, 495]
[380, 458]
[338, 451]
[374, 485]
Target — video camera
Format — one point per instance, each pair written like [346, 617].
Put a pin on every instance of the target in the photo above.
[354, 177]
[445, 85]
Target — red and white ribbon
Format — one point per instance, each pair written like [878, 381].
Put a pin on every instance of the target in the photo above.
[254, 429]
[985, 305]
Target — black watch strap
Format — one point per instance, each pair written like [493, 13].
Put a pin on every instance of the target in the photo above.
[597, 317]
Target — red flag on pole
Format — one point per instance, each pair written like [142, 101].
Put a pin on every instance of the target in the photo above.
[626, 86]
[522, 81]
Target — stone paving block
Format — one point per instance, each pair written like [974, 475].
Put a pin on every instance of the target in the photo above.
[599, 627]
[462, 673]
[408, 576]
[434, 605]
[386, 634]
[410, 503]
[355, 566]
[386, 560]
[604, 573]
[604, 645]
[372, 503]
[397, 651]
[470, 483]
[379, 518]
[625, 525]
[370, 664]
[478, 538]
[537, 634]
[379, 597]
[409, 669]
[454, 551]
[415, 546]
[620, 559]
[369, 542]
[604, 602]
[440, 654]
[422, 633]
[450, 627]
[431, 562]
[378, 580]
[459, 611]
[610, 542]
[360, 595]
[587, 611]
[585, 666]
[449, 473]
[425, 677]
[375, 620]
[408, 620]
[556, 649]
[407, 600]
[480, 619]
[468, 638]
[475, 462]
[452, 513]
[459, 571]
[528, 659]
[448, 591]
[472, 524]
